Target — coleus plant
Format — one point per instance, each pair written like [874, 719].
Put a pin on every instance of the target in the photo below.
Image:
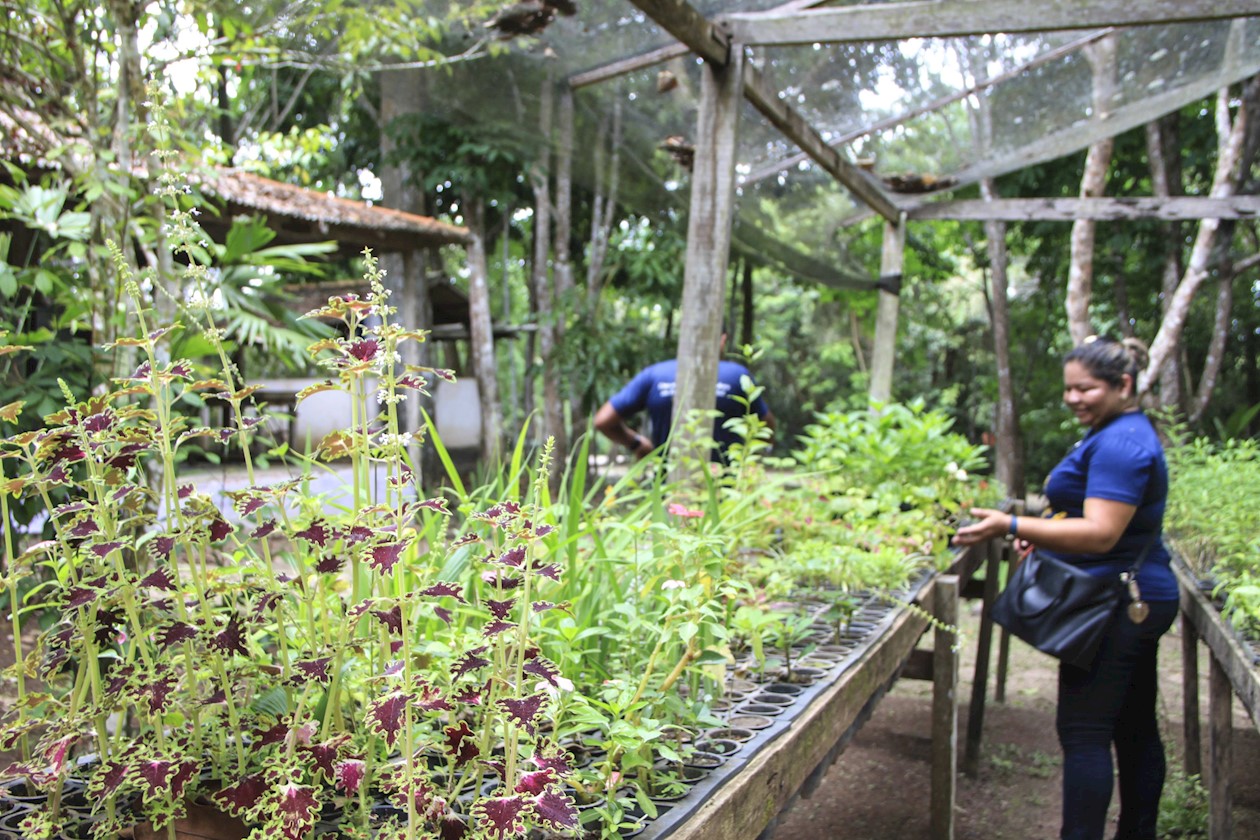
[284, 659]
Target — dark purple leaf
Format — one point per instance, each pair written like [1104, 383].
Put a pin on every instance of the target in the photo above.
[385, 716]
[276, 734]
[157, 692]
[494, 628]
[356, 534]
[502, 816]
[470, 661]
[329, 564]
[218, 697]
[312, 670]
[544, 530]
[155, 775]
[467, 539]
[81, 596]
[471, 696]
[231, 639]
[243, 797]
[543, 669]
[445, 590]
[220, 529]
[106, 622]
[83, 528]
[394, 669]
[556, 811]
[523, 711]
[104, 549]
[184, 773]
[108, 777]
[298, 808]
[559, 763]
[513, 557]
[324, 755]
[461, 743]
[159, 579]
[550, 571]
[497, 579]
[432, 700]
[69, 507]
[248, 503]
[544, 606]
[99, 422]
[535, 782]
[349, 775]
[317, 532]
[443, 613]
[184, 491]
[385, 555]
[438, 505]
[175, 633]
[391, 618]
[365, 349]
[264, 530]
[501, 609]
[403, 479]
[162, 546]
[265, 602]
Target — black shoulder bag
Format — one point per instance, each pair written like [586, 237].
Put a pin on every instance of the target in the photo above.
[1063, 610]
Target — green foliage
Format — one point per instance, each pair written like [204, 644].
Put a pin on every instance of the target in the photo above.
[1219, 540]
[1183, 807]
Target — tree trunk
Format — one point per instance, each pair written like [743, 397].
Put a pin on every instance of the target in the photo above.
[604, 205]
[1165, 182]
[1102, 59]
[482, 336]
[1009, 467]
[1230, 138]
[540, 178]
[1216, 347]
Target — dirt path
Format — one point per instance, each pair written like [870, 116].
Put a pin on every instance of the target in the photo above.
[879, 789]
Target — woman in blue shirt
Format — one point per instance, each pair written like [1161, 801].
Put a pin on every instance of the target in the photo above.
[1108, 497]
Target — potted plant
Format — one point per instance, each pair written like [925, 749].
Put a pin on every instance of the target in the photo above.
[282, 661]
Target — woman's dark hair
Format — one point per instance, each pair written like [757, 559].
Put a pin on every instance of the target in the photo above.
[1109, 360]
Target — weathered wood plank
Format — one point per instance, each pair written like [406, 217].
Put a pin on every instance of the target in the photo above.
[934, 19]
[1234, 659]
[1220, 752]
[785, 118]
[944, 709]
[708, 251]
[984, 647]
[1178, 208]
[680, 19]
[890, 266]
[746, 804]
[627, 65]
[1193, 751]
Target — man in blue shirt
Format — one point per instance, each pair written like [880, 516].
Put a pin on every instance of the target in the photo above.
[653, 389]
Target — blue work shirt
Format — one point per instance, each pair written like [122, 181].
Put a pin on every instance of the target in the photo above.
[653, 389]
[1123, 462]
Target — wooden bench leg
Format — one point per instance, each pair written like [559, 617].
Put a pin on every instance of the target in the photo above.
[1193, 759]
[944, 710]
[984, 646]
[1220, 749]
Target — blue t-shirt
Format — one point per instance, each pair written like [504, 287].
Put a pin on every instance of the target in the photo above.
[653, 388]
[1121, 462]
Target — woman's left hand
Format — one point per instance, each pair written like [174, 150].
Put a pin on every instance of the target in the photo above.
[991, 524]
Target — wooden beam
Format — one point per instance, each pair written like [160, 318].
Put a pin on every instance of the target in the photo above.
[1193, 740]
[627, 65]
[709, 225]
[934, 19]
[785, 118]
[680, 19]
[1220, 751]
[890, 267]
[1178, 208]
[752, 241]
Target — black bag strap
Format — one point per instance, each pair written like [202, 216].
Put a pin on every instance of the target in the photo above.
[1141, 558]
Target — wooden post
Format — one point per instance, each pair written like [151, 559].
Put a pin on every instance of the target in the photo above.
[944, 709]
[984, 646]
[1220, 751]
[1193, 759]
[708, 250]
[890, 266]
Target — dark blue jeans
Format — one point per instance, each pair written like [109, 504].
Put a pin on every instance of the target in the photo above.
[1113, 702]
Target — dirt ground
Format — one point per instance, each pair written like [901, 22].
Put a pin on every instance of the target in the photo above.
[879, 788]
